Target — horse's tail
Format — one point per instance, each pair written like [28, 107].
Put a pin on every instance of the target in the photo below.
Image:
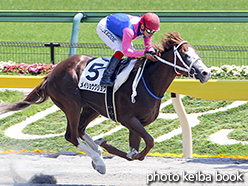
[37, 96]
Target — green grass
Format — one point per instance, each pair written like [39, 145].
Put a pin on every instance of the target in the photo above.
[78, 5]
[104, 127]
[196, 105]
[223, 34]
[45, 126]
[236, 118]
[9, 96]
[120, 139]
[239, 134]
[209, 124]
[220, 34]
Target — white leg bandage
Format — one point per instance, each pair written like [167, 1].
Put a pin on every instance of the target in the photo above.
[92, 144]
[97, 160]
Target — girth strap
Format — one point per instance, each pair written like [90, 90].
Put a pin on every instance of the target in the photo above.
[110, 103]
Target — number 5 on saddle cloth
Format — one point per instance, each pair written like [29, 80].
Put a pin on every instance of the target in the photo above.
[92, 75]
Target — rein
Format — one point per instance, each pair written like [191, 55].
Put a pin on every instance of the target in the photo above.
[148, 90]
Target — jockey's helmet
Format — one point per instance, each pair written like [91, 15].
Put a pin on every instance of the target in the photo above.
[150, 20]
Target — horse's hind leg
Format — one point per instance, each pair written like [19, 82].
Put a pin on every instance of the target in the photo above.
[72, 111]
[74, 119]
[91, 143]
[87, 115]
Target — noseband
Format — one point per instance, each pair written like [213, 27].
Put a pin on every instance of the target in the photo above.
[186, 68]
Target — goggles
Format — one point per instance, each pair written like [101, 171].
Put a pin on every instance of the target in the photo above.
[148, 30]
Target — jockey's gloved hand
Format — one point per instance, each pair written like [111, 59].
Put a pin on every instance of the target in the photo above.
[150, 55]
[150, 52]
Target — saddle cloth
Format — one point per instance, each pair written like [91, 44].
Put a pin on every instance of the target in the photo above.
[92, 75]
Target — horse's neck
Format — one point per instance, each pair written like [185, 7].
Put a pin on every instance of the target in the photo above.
[159, 76]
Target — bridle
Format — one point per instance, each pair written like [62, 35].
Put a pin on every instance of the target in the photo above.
[185, 68]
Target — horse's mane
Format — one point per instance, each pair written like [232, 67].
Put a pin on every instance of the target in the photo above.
[169, 40]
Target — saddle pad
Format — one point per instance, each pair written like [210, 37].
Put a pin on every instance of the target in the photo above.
[92, 75]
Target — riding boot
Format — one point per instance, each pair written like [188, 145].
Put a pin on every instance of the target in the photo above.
[106, 78]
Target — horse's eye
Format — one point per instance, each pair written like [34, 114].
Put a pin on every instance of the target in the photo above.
[186, 55]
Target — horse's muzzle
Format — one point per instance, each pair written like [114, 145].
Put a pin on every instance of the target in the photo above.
[204, 75]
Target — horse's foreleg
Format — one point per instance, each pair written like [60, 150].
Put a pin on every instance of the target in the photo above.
[138, 129]
[134, 143]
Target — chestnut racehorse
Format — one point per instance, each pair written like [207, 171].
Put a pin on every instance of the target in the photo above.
[174, 55]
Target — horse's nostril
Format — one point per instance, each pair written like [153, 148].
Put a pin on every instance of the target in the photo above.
[204, 73]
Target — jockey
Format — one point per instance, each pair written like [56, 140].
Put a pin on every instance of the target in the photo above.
[118, 30]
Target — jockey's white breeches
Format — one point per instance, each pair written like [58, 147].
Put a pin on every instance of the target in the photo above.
[109, 38]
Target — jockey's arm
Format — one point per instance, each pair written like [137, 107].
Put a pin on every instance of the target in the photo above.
[127, 38]
[148, 44]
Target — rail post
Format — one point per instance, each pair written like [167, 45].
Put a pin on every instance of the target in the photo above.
[52, 45]
[186, 129]
[75, 31]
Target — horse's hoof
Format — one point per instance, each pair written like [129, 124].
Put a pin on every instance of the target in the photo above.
[141, 158]
[99, 168]
[93, 165]
[100, 141]
[131, 155]
[138, 157]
